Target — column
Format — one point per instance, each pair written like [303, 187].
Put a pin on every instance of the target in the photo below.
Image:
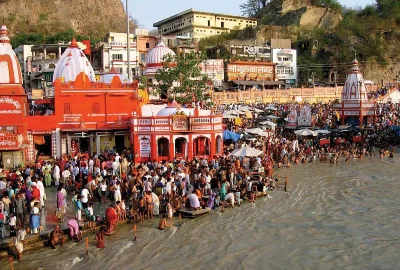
[68, 144]
[153, 145]
[59, 51]
[213, 142]
[171, 147]
[58, 142]
[190, 147]
[98, 142]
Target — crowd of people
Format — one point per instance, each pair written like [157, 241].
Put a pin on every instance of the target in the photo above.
[142, 191]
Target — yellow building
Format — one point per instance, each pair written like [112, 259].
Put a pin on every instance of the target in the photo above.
[199, 24]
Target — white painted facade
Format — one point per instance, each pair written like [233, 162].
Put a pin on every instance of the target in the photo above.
[286, 65]
[199, 24]
[114, 54]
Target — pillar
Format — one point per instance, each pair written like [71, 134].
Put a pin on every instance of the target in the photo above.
[213, 142]
[58, 142]
[98, 144]
[190, 147]
[171, 148]
[153, 147]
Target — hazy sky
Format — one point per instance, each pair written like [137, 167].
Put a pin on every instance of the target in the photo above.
[151, 11]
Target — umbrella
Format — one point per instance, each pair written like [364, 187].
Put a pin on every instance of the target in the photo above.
[256, 110]
[322, 131]
[305, 132]
[246, 152]
[272, 117]
[271, 108]
[229, 135]
[353, 129]
[257, 131]
[268, 123]
[228, 116]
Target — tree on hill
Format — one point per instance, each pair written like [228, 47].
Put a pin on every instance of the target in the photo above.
[181, 78]
[253, 7]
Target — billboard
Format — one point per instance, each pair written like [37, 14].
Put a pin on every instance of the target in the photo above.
[251, 51]
[250, 70]
[214, 69]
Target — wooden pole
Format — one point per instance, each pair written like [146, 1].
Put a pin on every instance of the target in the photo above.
[11, 263]
[87, 246]
[134, 232]
[286, 183]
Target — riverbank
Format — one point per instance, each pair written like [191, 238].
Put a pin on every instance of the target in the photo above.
[334, 216]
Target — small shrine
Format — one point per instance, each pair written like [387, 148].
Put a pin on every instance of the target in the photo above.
[161, 132]
[355, 108]
[299, 116]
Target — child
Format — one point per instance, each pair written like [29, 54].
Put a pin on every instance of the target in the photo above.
[134, 213]
[91, 218]
[78, 209]
[170, 211]
[163, 223]
[103, 189]
[100, 238]
[123, 210]
[13, 223]
[252, 197]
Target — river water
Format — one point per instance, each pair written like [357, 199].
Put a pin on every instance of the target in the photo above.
[344, 216]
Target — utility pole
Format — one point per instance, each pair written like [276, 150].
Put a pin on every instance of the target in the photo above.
[128, 47]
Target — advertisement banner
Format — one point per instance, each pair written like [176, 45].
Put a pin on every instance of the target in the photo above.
[214, 69]
[145, 145]
[243, 71]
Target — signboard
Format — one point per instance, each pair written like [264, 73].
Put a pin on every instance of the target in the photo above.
[180, 124]
[145, 145]
[214, 69]
[10, 106]
[37, 94]
[242, 71]
[9, 140]
[251, 51]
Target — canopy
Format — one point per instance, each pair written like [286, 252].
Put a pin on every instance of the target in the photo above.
[229, 135]
[228, 116]
[305, 132]
[272, 117]
[271, 108]
[268, 123]
[257, 131]
[246, 152]
[322, 131]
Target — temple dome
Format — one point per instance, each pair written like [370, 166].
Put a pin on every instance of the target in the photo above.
[72, 62]
[354, 89]
[155, 55]
[108, 77]
[172, 108]
[10, 70]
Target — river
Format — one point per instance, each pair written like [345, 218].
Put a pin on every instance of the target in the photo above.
[343, 216]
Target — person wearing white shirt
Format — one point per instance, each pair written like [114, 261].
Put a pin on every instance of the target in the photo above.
[56, 175]
[65, 176]
[91, 164]
[85, 197]
[40, 186]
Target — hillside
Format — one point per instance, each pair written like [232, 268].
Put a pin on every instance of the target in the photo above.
[48, 17]
[327, 37]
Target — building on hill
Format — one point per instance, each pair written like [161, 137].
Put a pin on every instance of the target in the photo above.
[200, 24]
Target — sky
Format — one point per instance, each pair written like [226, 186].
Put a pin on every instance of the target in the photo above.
[151, 11]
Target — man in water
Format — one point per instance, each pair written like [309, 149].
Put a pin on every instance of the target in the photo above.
[56, 237]
[163, 223]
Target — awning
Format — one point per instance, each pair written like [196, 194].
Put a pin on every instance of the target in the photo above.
[251, 83]
[44, 101]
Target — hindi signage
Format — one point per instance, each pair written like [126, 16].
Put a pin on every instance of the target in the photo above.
[214, 69]
[145, 145]
[242, 71]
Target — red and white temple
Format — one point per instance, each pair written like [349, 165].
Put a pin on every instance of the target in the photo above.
[355, 108]
[90, 117]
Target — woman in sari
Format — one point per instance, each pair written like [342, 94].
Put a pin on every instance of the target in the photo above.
[156, 204]
[19, 244]
[112, 219]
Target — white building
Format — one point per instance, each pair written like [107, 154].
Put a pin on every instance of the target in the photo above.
[112, 52]
[286, 65]
[199, 24]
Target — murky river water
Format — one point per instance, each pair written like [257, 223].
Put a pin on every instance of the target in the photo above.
[344, 216]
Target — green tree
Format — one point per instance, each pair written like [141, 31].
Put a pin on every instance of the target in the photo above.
[252, 8]
[181, 78]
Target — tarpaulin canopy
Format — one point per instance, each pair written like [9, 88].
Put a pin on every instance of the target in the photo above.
[246, 152]
[229, 135]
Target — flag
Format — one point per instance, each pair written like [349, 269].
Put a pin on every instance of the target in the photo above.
[88, 50]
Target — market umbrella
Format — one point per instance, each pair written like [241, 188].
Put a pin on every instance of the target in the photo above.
[271, 108]
[353, 129]
[256, 131]
[246, 152]
[228, 116]
[305, 132]
[322, 131]
[272, 117]
[270, 124]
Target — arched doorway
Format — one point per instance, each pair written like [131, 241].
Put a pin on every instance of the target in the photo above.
[163, 147]
[201, 146]
[218, 145]
[181, 147]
